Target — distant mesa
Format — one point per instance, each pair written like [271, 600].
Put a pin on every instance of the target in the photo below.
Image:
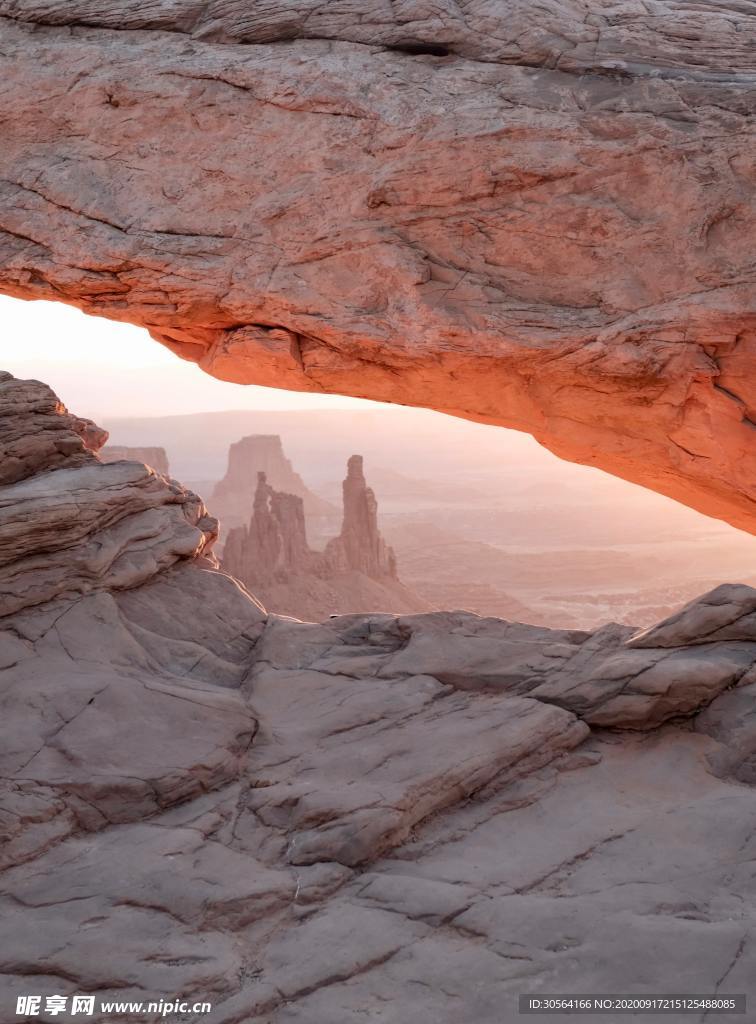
[357, 571]
[156, 458]
[234, 495]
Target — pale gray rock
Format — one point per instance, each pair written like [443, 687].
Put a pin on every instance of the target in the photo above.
[731, 720]
[195, 622]
[99, 526]
[71, 525]
[32, 818]
[105, 728]
[640, 689]
[339, 942]
[408, 750]
[129, 947]
[726, 613]
[630, 885]
[425, 899]
[58, 438]
[598, 676]
[99, 697]
[177, 871]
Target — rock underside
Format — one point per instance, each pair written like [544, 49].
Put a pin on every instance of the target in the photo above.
[537, 215]
[380, 817]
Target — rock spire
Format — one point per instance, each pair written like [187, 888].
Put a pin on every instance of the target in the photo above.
[273, 545]
[360, 545]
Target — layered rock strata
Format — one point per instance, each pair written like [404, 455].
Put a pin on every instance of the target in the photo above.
[539, 216]
[314, 822]
[103, 570]
[57, 439]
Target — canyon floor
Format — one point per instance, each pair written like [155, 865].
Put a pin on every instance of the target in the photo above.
[379, 817]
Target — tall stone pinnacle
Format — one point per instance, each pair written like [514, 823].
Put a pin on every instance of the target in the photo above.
[360, 545]
[273, 546]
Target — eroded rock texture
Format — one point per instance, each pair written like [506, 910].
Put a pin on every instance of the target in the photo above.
[118, 636]
[534, 215]
[71, 525]
[273, 546]
[378, 817]
[58, 439]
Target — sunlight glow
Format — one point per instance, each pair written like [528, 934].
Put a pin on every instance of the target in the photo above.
[102, 368]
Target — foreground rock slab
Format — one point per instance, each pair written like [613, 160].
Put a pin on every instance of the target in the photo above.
[408, 750]
[378, 817]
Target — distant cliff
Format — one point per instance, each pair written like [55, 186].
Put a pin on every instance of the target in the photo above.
[156, 458]
[356, 572]
[234, 495]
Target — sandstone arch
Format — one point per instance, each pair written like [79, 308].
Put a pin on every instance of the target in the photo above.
[540, 217]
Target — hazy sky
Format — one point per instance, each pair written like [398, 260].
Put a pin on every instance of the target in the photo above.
[102, 368]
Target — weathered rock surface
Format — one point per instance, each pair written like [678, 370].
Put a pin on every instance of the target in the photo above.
[356, 571]
[58, 439]
[234, 496]
[537, 216]
[596, 676]
[155, 458]
[726, 613]
[408, 751]
[77, 525]
[421, 816]
[113, 618]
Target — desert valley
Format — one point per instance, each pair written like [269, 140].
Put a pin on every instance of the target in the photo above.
[480, 519]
